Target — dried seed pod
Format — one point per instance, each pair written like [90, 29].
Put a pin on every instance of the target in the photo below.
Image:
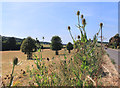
[82, 16]
[9, 77]
[23, 72]
[101, 25]
[68, 27]
[97, 33]
[78, 12]
[15, 61]
[89, 39]
[78, 36]
[84, 22]
[5, 78]
[48, 59]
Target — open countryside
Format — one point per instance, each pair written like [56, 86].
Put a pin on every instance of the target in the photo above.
[39, 58]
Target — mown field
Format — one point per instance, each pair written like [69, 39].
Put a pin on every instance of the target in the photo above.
[21, 79]
[7, 59]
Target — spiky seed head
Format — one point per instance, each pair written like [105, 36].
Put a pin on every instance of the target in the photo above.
[89, 39]
[84, 22]
[68, 27]
[97, 33]
[78, 36]
[15, 60]
[82, 16]
[101, 25]
[78, 12]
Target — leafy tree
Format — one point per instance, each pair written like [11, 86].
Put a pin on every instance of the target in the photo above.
[69, 46]
[114, 41]
[56, 44]
[28, 46]
[11, 43]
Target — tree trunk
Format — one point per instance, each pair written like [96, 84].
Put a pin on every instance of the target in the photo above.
[29, 55]
[69, 51]
[56, 52]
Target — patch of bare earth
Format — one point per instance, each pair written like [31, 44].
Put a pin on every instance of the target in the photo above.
[111, 79]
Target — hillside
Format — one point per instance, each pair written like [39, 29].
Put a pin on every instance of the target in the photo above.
[18, 40]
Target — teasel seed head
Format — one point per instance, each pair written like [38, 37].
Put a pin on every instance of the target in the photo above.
[97, 33]
[82, 16]
[89, 39]
[101, 25]
[78, 12]
[84, 22]
[69, 28]
[78, 36]
[15, 61]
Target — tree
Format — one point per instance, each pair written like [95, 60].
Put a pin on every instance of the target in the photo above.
[56, 44]
[69, 46]
[11, 43]
[28, 46]
[114, 41]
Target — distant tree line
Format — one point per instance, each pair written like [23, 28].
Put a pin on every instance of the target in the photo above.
[13, 43]
[10, 44]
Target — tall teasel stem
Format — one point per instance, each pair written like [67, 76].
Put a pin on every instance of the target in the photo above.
[101, 25]
[78, 22]
[71, 34]
[11, 76]
[15, 61]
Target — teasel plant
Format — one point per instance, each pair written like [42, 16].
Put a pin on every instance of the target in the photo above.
[88, 57]
[15, 62]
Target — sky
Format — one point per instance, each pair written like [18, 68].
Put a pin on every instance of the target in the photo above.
[38, 19]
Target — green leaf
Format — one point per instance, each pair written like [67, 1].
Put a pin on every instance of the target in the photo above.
[65, 57]
[39, 50]
[40, 77]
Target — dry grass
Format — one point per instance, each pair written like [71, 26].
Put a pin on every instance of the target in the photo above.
[22, 80]
[112, 78]
[7, 58]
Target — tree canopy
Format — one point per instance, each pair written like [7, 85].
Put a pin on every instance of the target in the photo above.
[69, 46]
[11, 43]
[56, 44]
[28, 46]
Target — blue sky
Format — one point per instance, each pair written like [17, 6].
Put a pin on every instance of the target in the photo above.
[38, 19]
